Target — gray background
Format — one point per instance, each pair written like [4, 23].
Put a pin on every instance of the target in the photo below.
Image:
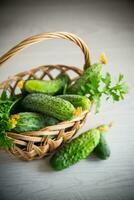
[105, 26]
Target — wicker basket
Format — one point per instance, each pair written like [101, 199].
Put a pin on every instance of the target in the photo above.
[37, 144]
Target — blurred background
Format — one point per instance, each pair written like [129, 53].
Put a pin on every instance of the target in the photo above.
[106, 26]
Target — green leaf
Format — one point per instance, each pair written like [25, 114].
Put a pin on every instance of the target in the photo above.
[5, 142]
[117, 91]
[65, 88]
[97, 103]
[121, 77]
[4, 95]
[107, 79]
[6, 105]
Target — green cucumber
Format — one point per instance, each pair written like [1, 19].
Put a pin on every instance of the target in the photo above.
[77, 101]
[85, 78]
[50, 105]
[79, 148]
[102, 150]
[27, 121]
[47, 86]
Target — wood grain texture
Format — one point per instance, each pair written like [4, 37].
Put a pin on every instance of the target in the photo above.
[105, 26]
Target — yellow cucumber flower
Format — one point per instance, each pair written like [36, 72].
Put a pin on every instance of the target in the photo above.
[103, 58]
[20, 84]
[13, 120]
[78, 111]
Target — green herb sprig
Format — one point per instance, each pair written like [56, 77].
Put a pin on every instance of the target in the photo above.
[97, 86]
[6, 105]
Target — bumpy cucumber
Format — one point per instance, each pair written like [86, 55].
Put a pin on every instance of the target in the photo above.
[52, 106]
[84, 78]
[102, 150]
[77, 101]
[47, 86]
[79, 148]
[27, 121]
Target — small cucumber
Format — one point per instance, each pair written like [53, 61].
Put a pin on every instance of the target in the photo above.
[50, 105]
[27, 121]
[47, 86]
[102, 150]
[84, 78]
[77, 101]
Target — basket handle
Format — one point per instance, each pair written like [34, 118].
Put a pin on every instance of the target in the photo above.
[44, 36]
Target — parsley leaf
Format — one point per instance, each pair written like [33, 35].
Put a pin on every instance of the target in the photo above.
[117, 91]
[6, 105]
[98, 85]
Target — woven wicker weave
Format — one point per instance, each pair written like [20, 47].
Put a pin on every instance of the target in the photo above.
[37, 144]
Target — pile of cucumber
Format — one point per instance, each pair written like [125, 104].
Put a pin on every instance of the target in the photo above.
[81, 147]
[48, 102]
[44, 104]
